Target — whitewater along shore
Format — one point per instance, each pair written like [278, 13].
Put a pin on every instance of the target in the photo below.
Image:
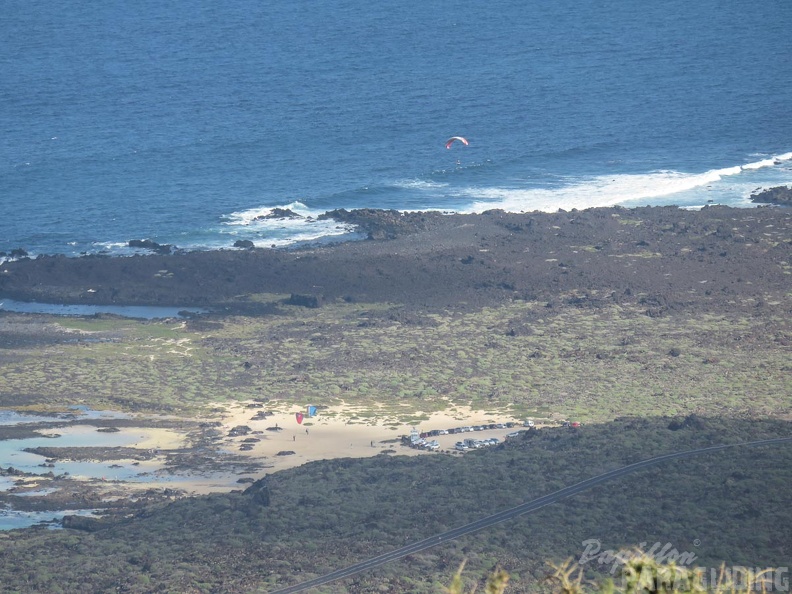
[666, 255]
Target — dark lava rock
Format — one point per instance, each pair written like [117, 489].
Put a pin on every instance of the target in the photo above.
[244, 243]
[239, 430]
[285, 453]
[279, 213]
[382, 224]
[781, 195]
[428, 265]
[17, 253]
[82, 523]
[147, 244]
[312, 301]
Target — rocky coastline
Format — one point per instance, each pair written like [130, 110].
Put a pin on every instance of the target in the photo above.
[780, 196]
[427, 260]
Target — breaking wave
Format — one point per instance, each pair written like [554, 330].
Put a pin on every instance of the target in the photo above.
[265, 226]
[623, 189]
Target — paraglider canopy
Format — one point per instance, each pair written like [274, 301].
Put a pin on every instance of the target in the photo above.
[299, 417]
[454, 139]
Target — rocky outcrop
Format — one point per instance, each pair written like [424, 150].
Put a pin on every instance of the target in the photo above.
[622, 255]
[279, 213]
[780, 195]
[15, 253]
[382, 224]
[244, 244]
[312, 301]
[84, 523]
[155, 247]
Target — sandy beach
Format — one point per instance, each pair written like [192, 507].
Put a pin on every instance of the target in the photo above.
[332, 434]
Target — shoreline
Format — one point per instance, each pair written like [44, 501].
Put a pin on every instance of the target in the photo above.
[431, 260]
[435, 270]
[368, 223]
[335, 432]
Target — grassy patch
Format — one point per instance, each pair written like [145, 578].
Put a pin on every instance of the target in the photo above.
[587, 363]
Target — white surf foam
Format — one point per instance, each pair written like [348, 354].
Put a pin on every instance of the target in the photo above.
[608, 190]
[255, 225]
[419, 184]
[256, 216]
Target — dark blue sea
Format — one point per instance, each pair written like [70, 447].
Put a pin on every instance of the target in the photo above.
[182, 122]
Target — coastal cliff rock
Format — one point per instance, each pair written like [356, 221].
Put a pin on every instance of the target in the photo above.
[382, 224]
[780, 195]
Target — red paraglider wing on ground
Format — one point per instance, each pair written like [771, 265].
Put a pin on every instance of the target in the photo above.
[454, 139]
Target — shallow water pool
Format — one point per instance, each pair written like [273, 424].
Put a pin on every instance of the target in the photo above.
[148, 312]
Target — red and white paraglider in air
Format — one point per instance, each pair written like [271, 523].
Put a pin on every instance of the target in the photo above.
[454, 139]
[299, 416]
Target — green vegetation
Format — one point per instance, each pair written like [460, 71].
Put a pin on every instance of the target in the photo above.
[305, 522]
[523, 358]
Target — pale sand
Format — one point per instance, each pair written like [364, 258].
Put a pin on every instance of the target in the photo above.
[154, 438]
[333, 433]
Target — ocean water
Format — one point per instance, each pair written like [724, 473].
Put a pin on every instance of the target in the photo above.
[184, 122]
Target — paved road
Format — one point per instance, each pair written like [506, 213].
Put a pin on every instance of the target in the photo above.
[510, 513]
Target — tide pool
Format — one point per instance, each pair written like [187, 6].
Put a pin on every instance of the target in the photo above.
[147, 312]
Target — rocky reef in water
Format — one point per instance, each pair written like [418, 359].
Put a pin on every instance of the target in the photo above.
[780, 196]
